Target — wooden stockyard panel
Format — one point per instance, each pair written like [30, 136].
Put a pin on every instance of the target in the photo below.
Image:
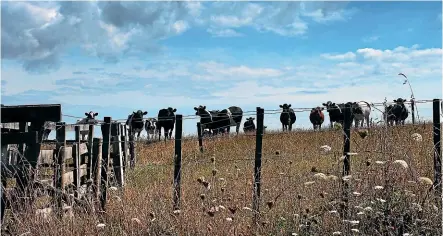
[31, 113]
[19, 138]
[46, 156]
[69, 176]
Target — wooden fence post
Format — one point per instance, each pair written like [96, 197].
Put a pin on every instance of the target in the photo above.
[132, 149]
[76, 157]
[106, 128]
[96, 166]
[437, 148]
[90, 152]
[258, 162]
[60, 165]
[125, 147]
[177, 160]
[199, 134]
[117, 155]
[413, 110]
[346, 162]
[4, 184]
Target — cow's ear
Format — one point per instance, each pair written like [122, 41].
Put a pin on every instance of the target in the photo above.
[145, 113]
[322, 108]
[195, 108]
[174, 110]
[395, 100]
[333, 104]
[324, 104]
[96, 114]
[86, 114]
[204, 107]
[289, 105]
[281, 106]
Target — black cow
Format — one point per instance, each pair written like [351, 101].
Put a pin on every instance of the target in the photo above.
[336, 111]
[135, 122]
[398, 112]
[287, 117]
[166, 119]
[317, 117]
[217, 120]
[249, 125]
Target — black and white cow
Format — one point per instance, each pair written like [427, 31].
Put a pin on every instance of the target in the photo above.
[362, 112]
[135, 122]
[398, 112]
[287, 117]
[83, 123]
[166, 119]
[336, 112]
[151, 128]
[249, 125]
[219, 120]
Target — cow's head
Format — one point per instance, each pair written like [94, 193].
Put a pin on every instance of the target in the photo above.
[399, 101]
[91, 115]
[356, 109]
[329, 105]
[285, 107]
[317, 110]
[151, 123]
[138, 115]
[172, 110]
[250, 119]
[201, 111]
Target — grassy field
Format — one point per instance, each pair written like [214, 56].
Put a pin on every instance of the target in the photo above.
[301, 189]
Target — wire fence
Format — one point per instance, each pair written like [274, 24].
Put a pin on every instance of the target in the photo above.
[194, 158]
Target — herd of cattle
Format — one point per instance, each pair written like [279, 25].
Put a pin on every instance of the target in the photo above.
[219, 121]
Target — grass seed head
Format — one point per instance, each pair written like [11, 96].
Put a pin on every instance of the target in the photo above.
[214, 172]
[425, 180]
[320, 176]
[401, 163]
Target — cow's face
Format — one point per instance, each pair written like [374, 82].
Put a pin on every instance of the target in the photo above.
[329, 105]
[171, 110]
[399, 101]
[138, 115]
[285, 107]
[151, 124]
[91, 115]
[356, 109]
[317, 110]
[201, 111]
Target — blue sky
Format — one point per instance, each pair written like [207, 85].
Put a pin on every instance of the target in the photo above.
[118, 57]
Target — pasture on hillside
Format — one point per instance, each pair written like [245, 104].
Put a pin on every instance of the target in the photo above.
[391, 175]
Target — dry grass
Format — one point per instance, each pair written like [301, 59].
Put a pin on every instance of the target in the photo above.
[300, 194]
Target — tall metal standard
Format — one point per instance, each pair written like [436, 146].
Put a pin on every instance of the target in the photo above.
[257, 168]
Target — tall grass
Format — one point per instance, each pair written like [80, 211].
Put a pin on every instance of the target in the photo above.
[301, 189]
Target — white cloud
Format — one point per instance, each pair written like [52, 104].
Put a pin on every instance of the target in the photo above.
[180, 26]
[345, 56]
[399, 53]
[111, 30]
[371, 39]
[224, 33]
[219, 71]
[320, 16]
